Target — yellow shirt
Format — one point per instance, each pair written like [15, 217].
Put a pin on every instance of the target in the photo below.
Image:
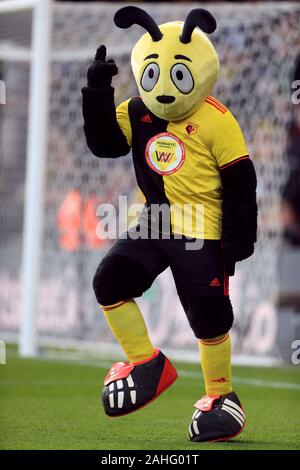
[186, 159]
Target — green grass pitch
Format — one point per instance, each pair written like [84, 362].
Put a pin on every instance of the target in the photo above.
[52, 404]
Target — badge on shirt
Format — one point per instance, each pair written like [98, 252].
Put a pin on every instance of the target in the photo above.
[165, 153]
[191, 128]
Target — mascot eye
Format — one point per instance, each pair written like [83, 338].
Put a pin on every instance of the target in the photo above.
[150, 76]
[182, 78]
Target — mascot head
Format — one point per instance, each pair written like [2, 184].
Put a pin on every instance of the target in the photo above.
[175, 65]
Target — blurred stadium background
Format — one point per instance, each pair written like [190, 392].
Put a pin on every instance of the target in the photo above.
[259, 48]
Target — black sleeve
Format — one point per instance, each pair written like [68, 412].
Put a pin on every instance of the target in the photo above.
[103, 135]
[239, 210]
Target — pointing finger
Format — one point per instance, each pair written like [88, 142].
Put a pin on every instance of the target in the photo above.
[101, 53]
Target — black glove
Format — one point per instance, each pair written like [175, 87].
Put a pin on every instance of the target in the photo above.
[100, 72]
[234, 251]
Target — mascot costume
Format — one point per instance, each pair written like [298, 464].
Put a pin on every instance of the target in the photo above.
[187, 150]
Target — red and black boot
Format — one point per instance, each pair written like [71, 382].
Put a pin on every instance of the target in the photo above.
[131, 386]
[217, 418]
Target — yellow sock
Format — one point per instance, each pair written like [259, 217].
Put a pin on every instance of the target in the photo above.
[128, 326]
[216, 364]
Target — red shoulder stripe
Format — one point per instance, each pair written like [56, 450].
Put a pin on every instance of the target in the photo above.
[213, 102]
[217, 102]
[215, 106]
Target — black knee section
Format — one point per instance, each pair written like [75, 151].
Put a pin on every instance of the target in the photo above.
[120, 278]
[208, 315]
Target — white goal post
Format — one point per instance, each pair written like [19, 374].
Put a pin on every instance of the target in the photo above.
[35, 171]
[51, 302]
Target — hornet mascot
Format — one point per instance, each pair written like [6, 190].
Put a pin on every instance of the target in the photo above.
[188, 152]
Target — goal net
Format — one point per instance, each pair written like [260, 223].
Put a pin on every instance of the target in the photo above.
[257, 45]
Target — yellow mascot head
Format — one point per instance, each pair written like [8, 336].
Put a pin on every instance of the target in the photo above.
[174, 64]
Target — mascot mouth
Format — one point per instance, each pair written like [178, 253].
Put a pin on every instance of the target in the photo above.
[165, 99]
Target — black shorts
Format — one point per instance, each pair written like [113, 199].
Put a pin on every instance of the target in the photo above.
[196, 271]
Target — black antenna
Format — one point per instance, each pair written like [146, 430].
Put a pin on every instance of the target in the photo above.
[197, 18]
[127, 16]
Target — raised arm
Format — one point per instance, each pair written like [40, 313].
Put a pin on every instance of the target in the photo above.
[103, 134]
